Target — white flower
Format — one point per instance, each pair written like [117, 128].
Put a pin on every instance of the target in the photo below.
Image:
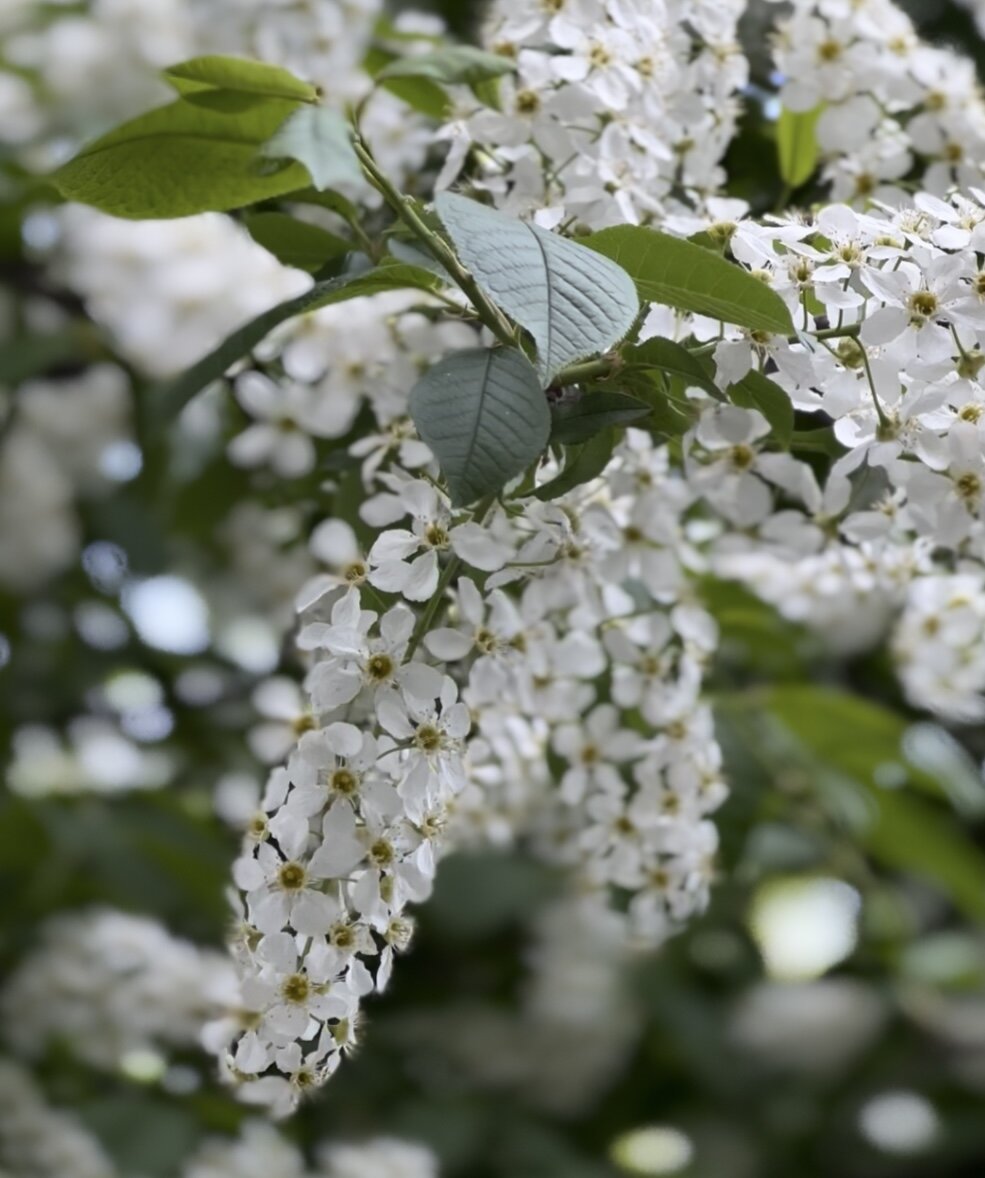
[282, 886]
[594, 749]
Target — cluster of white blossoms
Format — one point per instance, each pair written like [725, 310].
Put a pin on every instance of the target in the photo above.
[615, 105]
[476, 638]
[39, 1141]
[562, 643]
[109, 985]
[903, 499]
[168, 291]
[60, 440]
[939, 645]
[889, 102]
[260, 1151]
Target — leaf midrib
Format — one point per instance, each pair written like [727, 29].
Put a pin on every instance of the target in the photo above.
[470, 449]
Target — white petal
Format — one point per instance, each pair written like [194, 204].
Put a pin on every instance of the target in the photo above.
[448, 644]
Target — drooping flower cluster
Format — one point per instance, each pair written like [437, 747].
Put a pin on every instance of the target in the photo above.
[615, 106]
[540, 603]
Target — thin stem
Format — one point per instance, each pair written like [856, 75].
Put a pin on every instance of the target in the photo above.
[961, 350]
[884, 421]
[448, 573]
[601, 368]
[437, 247]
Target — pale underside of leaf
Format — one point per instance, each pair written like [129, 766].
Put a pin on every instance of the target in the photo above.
[573, 302]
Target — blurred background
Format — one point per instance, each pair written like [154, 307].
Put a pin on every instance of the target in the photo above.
[825, 1018]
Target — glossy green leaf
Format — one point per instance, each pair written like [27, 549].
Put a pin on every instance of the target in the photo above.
[582, 463]
[453, 65]
[483, 413]
[595, 412]
[420, 94]
[756, 391]
[318, 138]
[188, 157]
[796, 144]
[686, 276]
[572, 301]
[294, 242]
[216, 72]
[667, 356]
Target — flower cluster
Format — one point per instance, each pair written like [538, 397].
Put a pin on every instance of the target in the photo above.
[890, 102]
[939, 645]
[615, 106]
[111, 985]
[260, 1150]
[41, 1141]
[530, 669]
[447, 652]
[62, 440]
[168, 291]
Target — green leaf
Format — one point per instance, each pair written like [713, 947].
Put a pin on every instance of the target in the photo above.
[483, 413]
[856, 736]
[756, 391]
[582, 463]
[411, 253]
[866, 744]
[333, 201]
[189, 157]
[796, 144]
[673, 358]
[216, 72]
[686, 276]
[454, 65]
[911, 835]
[817, 441]
[294, 242]
[319, 139]
[172, 397]
[573, 302]
[488, 92]
[420, 94]
[594, 412]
